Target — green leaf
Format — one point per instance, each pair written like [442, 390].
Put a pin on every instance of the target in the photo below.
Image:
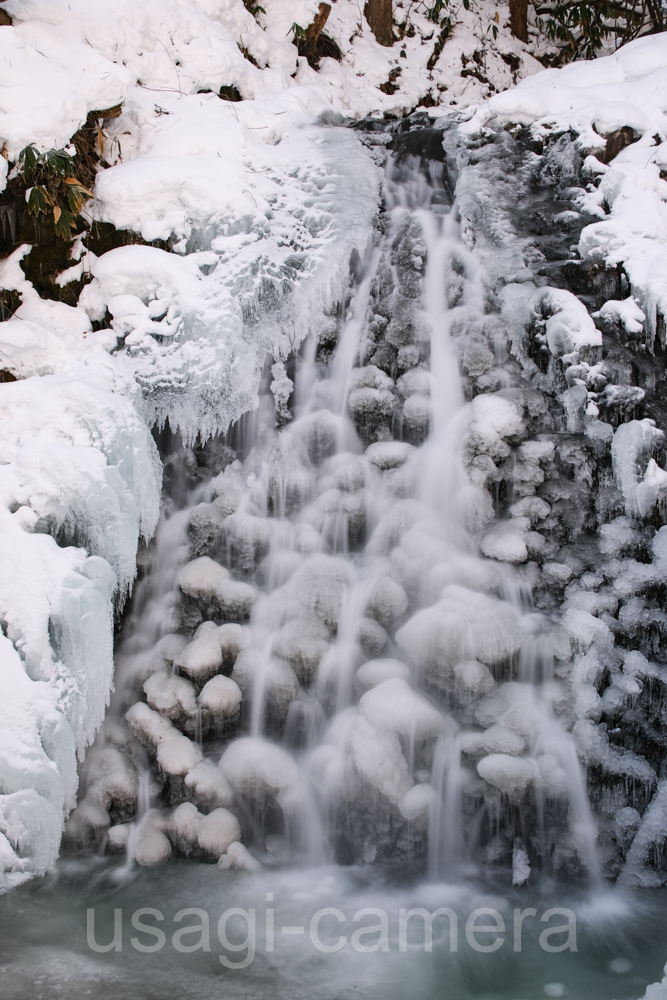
[298, 32]
[59, 162]
[28, 160]
[39, 201]
[65, 224]
[77, 196]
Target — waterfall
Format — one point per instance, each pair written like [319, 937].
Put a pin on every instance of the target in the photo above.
[325, 654]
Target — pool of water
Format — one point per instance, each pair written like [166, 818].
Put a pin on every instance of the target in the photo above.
[315, 938]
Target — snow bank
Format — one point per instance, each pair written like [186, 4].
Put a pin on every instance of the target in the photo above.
[595, 100]
[79, 487]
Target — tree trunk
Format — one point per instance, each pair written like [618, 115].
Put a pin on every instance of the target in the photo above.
[519, 19]
[380, 20]
[313, 33]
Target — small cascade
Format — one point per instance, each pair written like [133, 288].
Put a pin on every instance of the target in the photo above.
[331, 656]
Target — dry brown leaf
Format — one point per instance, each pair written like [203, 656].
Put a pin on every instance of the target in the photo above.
[57, 212]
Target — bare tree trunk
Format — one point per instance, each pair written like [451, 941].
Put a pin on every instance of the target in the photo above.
[313, 33]
[380, 20]
[519, 19]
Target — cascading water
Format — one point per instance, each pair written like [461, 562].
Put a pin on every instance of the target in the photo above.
[334, 689]
[367, 639]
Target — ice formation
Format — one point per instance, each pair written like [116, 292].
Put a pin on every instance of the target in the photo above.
[423, 592]
[80, 488]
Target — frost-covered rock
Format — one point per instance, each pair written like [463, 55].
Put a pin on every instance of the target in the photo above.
[378, 759]
[510, 775]
[149, 845]
[375, 672]
[219, 701]
[388, 602]
[211, 834]
[464, 625]
[270, 682]
[393, 706]
[239, 857]
[302, 642]
[212, 586]
[256, 768]
[208, 786]
[201, 658]
[173, 697]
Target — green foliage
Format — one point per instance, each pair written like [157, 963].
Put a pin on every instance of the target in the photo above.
[581, 29]
[54, 188]
[434, 9]
[253, 8]
[298, 33]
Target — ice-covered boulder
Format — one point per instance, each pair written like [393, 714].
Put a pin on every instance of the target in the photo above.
[393, 706]
[177, 755]
[472, 679]
[464, 625]
[510, 775]
[247, 539]
[376, 672]
[256, 768]
[416, 804]
[632, 449]
[206, 528]
[220, 703]
[462, 570]
[371, 399]
[149, 727]
[213, 587]
[378, 758]
[239, 857]
[388, 602]
[208, 786]
[506, 540]
[148, 844]
[496, 739]
[302, 642]
[316, 589]
[386, 455]
[371, 637]
[232, 638]
[211, 834]
[172, 696]
[513, 706]
[201, 658]
[271, 681]
[493, 425]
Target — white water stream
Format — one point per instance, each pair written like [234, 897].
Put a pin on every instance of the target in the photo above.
[347, 545]
[401, 741]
